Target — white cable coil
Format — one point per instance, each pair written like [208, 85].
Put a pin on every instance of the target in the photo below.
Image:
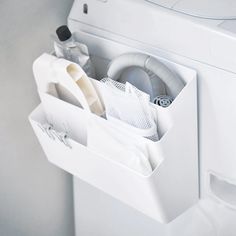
[173, 82]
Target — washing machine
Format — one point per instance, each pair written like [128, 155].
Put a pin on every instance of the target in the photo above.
[198, 34]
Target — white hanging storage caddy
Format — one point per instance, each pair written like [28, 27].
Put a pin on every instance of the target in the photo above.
[65, 131]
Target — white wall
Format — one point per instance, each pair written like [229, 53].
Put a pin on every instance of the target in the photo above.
[35, 196]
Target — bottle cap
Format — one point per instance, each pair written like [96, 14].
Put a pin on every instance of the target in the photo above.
[63, 33]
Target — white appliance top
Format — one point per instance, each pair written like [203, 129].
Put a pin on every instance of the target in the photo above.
[210, 9]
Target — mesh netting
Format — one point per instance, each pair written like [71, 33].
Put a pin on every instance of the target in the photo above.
[128, 104]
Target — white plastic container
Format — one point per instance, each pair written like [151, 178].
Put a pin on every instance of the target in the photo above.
[173, 185]
[67, 47]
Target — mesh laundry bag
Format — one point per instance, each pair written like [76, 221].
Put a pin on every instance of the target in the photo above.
[126, 103]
